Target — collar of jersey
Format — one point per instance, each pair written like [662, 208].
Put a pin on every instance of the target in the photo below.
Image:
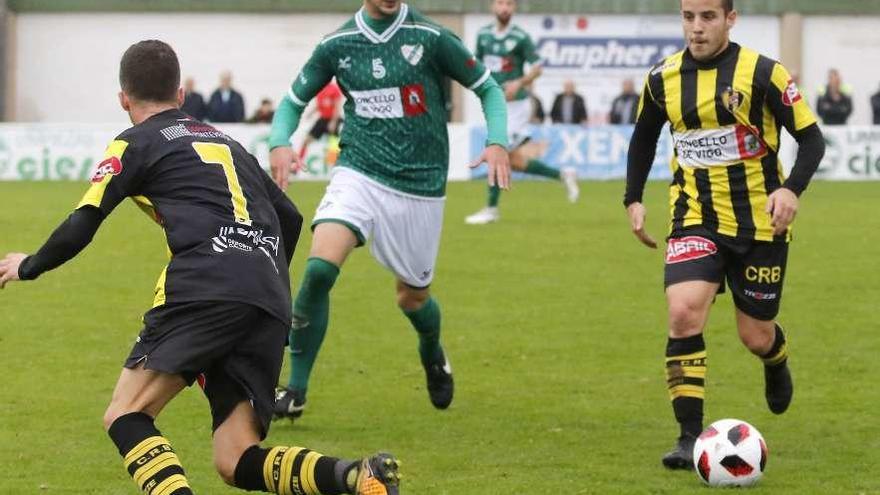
[500, 35]
[389, 33]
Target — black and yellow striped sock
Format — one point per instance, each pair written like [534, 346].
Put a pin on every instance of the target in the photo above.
[293, 471]
[778, 354]
[686, 381]
[148, 456]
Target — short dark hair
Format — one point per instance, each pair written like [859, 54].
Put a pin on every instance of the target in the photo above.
[727, 5]
[149, 71]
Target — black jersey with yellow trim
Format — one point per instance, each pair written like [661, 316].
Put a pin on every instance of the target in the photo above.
[725, 117]
[214, 203]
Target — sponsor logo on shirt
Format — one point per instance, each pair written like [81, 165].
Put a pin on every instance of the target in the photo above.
[689, 248]
[498, 64]
[792, 94]
[717, 147]
[110, 166]
[390, 103]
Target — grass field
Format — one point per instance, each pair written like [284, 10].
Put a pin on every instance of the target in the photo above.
[554, 321]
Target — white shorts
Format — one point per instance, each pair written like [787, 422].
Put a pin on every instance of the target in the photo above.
[518, 114]
[405, 229]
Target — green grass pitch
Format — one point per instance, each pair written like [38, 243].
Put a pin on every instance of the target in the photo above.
[554, 320]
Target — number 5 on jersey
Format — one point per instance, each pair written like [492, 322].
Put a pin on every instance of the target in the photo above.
[220, 154]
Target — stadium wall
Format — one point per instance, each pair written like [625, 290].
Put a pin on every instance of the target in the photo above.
[4, 70]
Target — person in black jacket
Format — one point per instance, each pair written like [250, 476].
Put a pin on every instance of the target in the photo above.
[569, 107]
[226, 104]
[834, 106]
[624, 107]
[193, 103]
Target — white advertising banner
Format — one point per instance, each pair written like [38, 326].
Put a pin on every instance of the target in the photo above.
[599, 52]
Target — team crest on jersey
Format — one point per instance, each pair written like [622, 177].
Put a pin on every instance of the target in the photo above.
[510, 45]
[792, 94]
[412, 53]
[732, 99]
[378, 69]
[110, 166]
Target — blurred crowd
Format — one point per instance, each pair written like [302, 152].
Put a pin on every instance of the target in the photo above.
[833, 103]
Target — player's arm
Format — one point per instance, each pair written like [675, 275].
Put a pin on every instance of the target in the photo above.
[789, 108]
[289, 217]
[114, 180]
[536, 68]
[457, 62]
[642, 150]
[314, 76]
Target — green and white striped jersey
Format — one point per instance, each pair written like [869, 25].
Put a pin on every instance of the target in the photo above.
[395, 113]
[506, 53]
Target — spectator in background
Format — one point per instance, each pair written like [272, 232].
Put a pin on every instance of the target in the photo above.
[193, 103]
[569, 107]
[264, 114]
[538, 116]
[875, 107]
[226, 104]
[834, 105]
[328, 104]
[625, 106]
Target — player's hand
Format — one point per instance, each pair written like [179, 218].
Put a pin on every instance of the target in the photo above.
[9, 268]
[496, 157]
[511, 88]
[283, 161]
[782, 205]
[637, 213]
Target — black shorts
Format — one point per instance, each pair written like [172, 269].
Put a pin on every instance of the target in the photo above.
[322, 127]
[754, 270]
[236, 348]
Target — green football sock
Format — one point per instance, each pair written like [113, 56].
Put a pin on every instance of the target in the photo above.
[311, 312]
[536, 167]
[426, 321]
[494, 196]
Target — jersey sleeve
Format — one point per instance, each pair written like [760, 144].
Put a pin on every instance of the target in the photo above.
[529, 51]
[118, 176]
[786, 102]
[313, 77]
[457, 62]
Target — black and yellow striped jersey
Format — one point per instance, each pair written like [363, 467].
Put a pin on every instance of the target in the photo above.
[214, 203]
[725, 118]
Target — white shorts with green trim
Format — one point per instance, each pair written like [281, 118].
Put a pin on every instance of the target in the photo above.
[405, 229]
[518, 114]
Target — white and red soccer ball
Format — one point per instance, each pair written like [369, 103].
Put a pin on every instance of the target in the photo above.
[730, 452]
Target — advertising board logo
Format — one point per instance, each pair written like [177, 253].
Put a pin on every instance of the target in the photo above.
[586, 53]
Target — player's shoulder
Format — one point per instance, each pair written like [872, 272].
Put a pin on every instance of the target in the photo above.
[416, 20]
[487, 30]
[669, 63]
[349, 28]
[519, 33]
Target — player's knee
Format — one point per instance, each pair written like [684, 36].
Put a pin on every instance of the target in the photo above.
[225, 464]
[758, 338]
[409, 299]
[684, 319]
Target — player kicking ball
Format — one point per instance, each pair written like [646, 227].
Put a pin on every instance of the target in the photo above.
[732, 207]
[505, 49]
[389, 183]
[222, 305]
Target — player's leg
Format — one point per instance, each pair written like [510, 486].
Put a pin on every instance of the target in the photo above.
[756, 282]
[424, 314]
[342, 222]
[331, 245]
[239, 388]
[138, 398]
[315, 133]
[689, 303]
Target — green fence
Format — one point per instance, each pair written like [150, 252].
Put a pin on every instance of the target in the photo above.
[849, 7]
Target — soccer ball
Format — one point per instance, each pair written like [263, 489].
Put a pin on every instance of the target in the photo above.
[730, 452]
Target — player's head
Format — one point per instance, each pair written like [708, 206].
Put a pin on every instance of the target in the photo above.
[149, 73]
[834, 79]
[503, 10]
[707, 25]
[384, 7]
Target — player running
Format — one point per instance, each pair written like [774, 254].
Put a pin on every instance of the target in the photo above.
[731, 206]
[329, 103]
[390, 180]
[505, 49]
[222, 305]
